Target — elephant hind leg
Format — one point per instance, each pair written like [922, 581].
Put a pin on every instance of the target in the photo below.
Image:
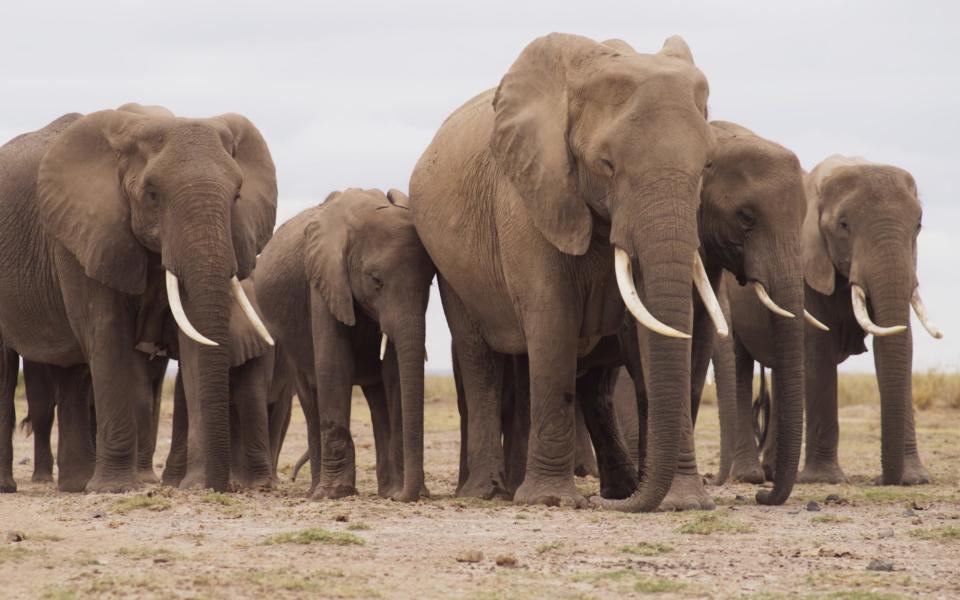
[76, 452]
[41, 400]
[617, 471]
[9, 368]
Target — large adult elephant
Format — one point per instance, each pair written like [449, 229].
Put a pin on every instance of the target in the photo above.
[535, 200]
[859, 264]
[344, 286]
[103, 215]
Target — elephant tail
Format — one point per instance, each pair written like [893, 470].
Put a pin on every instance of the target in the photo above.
[296, 468]
[26, 426]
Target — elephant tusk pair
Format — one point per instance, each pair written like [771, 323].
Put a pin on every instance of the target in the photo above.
[383, 348]
[624, 273]
[921, 311]
[180, 315]
[859, 300]
[776, 309]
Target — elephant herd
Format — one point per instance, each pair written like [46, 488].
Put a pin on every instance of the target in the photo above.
[582, 218]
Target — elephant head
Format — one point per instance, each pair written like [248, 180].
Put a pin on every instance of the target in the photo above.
[752, 207]
[860, 240]
[362, 252]
[137, 194]
[599, 140]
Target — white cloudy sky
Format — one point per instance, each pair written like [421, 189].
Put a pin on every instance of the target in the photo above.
[350, 93]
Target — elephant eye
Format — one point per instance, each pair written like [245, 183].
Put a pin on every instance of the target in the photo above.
[152, 197]
[844, 225]
[746, 217]
[377, 282]
[607, 166]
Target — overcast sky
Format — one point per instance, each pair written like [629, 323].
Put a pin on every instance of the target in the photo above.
[350, 95]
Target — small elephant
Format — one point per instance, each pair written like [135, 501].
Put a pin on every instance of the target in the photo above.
[859, 267]
[344, 286]
[103, 214]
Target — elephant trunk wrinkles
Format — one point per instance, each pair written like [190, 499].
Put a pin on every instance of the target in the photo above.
[888, 295]
[203, 253]
[409, 342]
[667, 289]
[786, 289]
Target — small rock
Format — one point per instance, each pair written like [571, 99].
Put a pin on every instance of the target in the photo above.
[469, 556]
[916, 506]
[880, 565]
[739, 498]
[885, 533]
[834, 499]
[813, 506]
[15, 536]
[23, 461]
[160, 560]
[341, 518]
[507, 560]
[98, 515]
[909, 513]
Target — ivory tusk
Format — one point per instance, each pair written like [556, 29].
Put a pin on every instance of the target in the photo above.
[176, 307]
[859, 300]
[249, 311]
[383, 346]
[922, 316]
[632, 300]
[767, 301]
[813, 321]
[710, 301]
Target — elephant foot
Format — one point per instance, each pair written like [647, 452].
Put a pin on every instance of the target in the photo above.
[687, 493]
[914, 473]
[619, 483]
[42, 477]
[769, 470]
[7, 485]
[746, 470]
[488, 487]
[555, 491]
[829, 472]
[388, 490]
[100, 484]
[147, 476]
[401, 496]
[333, 492]
[264, 482]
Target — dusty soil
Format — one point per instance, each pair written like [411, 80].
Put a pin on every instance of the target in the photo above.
[169, 543]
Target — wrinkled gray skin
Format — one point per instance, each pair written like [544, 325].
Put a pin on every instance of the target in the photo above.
[520, 199]
[352, 268]
[861, 227]
[261, 392]
[93, 210]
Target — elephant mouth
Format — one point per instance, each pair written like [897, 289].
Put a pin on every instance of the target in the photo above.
[858, 298]
[180, 315]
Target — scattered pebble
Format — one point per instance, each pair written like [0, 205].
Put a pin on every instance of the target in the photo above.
[507, 561]
[98, 515]
[469, 556]
[885, 533]
[909, 513]
[15, 536]
[834, 499]
[813, 506]
[341, 518]
[23, 461]
[880, 565]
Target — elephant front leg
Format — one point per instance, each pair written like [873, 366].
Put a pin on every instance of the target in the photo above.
[120, 382]
[249, 388]
[9, 368]
[746, 456]
[175, 468]
[41, 399]
[76, 452]
[389, 474]
[550, 457]
[617, 471]
[687, 491]
[148, 421]
[823, 429]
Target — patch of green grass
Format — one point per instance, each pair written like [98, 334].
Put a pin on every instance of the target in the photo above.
[646, 549]
[315, 535]
[946, 533]
[846, 579]
[140, 501]
[641, 583]
[12, 553]
[656, 585]
[143, 553]
[219, 498]
[59, 593]
[831, 519]
[358, 526]
[709, 523]
[550, 547]
[312, 581]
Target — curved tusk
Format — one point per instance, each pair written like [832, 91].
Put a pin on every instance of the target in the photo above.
[813, 321]
[767, 301]
[710, 301]
[859, 299]
[921, 312]
[632, 300]
[383, 346]
[249, 311]
[176, 307]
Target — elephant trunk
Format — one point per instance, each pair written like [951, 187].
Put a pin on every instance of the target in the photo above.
[409, 341]
[788, 382]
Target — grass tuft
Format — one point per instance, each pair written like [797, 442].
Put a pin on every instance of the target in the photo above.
[646, 549]
[709, 523]
[140, 501]
[315, 535]
[946, 533]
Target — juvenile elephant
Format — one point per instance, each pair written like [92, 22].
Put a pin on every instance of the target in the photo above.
[536, 200]
[859, 265]
[105, 214]
[344, 286]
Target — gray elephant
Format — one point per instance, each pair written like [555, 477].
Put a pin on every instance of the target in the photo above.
[104, 215]
[344, 286]
[536, 200]
[860, 253]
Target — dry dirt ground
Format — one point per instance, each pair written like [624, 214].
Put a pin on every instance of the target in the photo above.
[168, 543]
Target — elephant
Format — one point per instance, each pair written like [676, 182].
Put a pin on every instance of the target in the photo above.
[535, 200]
[344, 286]
[104, 215]
[859, 240]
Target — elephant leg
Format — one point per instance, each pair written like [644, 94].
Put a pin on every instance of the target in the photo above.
[617, 471]
[176, 467]
[9, 369]
[308, 403]
[76, 450]
[769, 454]
[148, 417]
[687, 491]
[823, 428]
[724, 370]
[481, 371]
[584, 459]
[249, 386]
[387, 483]
[552, 351]
[746, 455]
[41, 403]
[515, 413]
[278, 418]
[914, 473]
[462, 411]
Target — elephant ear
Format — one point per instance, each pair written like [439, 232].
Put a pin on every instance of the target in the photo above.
[818, 270]
[676, 47]
[529, 140]
[147, 110]
[82, 205]
[255, 212]
[620, 45]
[398, 198]
[325, 245]
[245, 342]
